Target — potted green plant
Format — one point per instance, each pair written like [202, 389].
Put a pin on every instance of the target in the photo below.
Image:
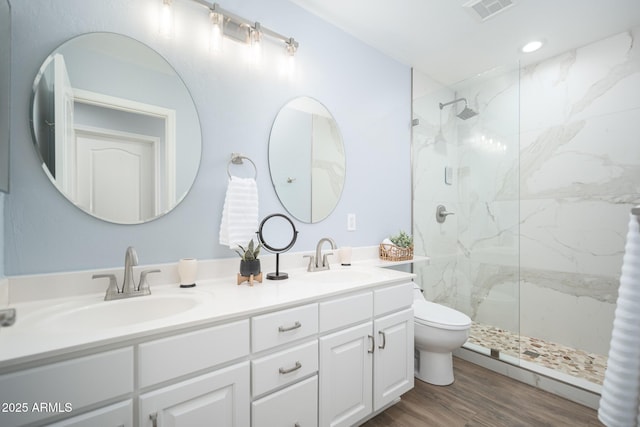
[402, 240]
[397, 248]
[249, 262]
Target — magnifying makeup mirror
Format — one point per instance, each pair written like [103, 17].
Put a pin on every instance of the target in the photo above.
[277, 234]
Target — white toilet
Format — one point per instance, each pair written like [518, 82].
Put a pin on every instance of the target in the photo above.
[438, 330]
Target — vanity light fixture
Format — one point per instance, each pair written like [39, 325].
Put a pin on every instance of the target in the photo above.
[230, 25]
[532, 46]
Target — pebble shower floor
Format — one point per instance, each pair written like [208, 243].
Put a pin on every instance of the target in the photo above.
[577, 363]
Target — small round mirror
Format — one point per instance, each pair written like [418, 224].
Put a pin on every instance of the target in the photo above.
[277, 234]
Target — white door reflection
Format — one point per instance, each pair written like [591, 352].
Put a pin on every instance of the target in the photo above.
[107, 113]
[113, 156]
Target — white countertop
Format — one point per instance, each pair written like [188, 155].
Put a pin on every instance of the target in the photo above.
[32, 338]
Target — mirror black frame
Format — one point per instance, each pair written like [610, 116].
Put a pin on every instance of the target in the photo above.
[278, 275]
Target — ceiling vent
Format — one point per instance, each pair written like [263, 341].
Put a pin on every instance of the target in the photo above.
[485, 9]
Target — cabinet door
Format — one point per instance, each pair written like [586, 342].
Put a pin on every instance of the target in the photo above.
[220, 398]
[393, 357]
[346, 376]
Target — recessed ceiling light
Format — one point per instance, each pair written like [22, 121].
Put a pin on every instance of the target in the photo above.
[532, 46]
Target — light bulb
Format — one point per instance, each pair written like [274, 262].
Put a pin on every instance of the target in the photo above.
[291, 47]
[166, 19]
[217, 32]
[532, 46]
[256, 44]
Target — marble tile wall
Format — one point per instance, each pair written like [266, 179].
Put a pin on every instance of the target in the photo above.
[545, 177]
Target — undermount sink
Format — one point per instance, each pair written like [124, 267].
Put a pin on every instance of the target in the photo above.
[119, 313]
[339, 275]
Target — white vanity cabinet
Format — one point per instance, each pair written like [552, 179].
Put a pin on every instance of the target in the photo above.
[220, 396]
[393, 357]
[329, 358]
[296, 405]
[367, 366]
[66, 387]
[117, 415]
[346, 376]
[284, 378]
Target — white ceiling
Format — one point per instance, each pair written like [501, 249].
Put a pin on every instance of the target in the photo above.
[446, 41]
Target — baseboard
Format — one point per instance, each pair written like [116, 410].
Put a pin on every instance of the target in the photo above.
[562, 385]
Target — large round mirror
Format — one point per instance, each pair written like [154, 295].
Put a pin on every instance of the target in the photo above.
[307, 159]
[115, 127]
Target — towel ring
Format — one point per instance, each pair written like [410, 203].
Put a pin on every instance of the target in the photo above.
[236, 159]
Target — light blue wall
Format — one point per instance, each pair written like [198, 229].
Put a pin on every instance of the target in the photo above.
[367, 93]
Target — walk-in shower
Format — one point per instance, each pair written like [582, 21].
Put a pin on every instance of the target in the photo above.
[513, 257]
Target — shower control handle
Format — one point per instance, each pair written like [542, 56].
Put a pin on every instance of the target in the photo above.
[442, 213]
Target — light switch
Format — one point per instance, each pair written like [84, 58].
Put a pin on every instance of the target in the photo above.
[351, 222]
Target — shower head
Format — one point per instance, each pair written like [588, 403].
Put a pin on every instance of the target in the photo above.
[466, 113]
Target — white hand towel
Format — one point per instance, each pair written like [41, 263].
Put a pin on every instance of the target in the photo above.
[240, 212]
[620, 397]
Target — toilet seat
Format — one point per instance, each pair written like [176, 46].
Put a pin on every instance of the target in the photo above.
[438, 316]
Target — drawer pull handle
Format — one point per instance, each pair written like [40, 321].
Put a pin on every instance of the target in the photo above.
[290, 328]
[384, 340]
[154, 419]
[373, 344]
[296, 425]
[297, 366]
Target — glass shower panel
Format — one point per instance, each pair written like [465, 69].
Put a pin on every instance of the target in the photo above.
[469, 164]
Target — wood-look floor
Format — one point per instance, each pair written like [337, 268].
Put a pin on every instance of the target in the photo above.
[479, 397]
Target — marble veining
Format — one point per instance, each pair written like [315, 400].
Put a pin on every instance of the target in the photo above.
[544, 179]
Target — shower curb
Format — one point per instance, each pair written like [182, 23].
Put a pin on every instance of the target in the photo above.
[587, 395]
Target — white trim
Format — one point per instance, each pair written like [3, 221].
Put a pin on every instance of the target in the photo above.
[166, 114]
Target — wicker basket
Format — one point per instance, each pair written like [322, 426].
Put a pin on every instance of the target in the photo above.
[395, 253]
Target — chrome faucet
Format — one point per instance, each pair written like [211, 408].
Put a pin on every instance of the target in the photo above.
[129, 288]
[314, 262]
[130, 259]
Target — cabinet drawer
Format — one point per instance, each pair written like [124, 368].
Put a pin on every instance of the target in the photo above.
[78, 382]
[120, 414]
[345, 311]
[171, 357]
[283, 326]
[284, 367]
[295, 405]
[392, 298]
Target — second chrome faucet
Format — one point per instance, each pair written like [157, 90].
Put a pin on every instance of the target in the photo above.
[314, 262]
[129, 288]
